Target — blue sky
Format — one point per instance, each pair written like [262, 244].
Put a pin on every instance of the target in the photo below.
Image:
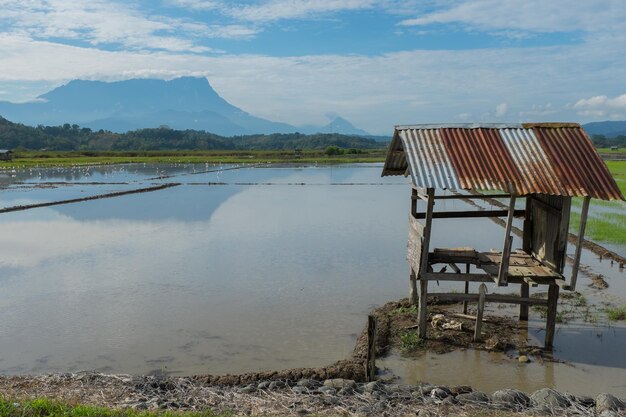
[377, 63]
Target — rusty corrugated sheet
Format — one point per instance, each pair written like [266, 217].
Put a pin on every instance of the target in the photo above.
[537, 174]
[553, 159]
[481, 159]
[577, 163]
[429, 163]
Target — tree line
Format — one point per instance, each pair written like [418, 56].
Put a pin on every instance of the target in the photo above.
[71, 137]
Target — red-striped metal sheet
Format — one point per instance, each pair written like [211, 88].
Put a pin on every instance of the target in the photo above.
[554, 159]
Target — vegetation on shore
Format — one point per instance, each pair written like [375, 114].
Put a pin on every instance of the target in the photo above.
[49, 408]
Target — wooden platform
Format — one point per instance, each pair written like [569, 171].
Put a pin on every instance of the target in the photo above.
[522, 267]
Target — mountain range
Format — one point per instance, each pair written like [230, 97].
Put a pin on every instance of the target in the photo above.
[181, 103]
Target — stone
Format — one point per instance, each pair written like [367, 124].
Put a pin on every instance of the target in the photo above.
[607, 413]
[339, 383]
[249, 389]
[300, 390]
[474, 397]
[511, 397]
[439, 393]
[309, 383]
[608, 402]
[426, 389]
[346, 391]
[276, 384]
[327, 390]
[263, 385]
[372, 386]
[424, 413]
[460, 389]
[581, 400]
[549, 398]
[523, 359]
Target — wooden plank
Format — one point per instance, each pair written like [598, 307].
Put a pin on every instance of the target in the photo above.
[508, 242]
[528, 226]
[454, 267]
[370, 360]
[471, 214]
[414, 244]
[482, 291]
[523, 308]
[579, 242]
[553, 298]
[413, 201]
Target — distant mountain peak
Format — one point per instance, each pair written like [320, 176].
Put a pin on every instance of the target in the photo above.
[343, 126]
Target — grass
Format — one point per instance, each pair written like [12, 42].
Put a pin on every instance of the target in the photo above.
[50, 408]
[602, 227]
[616, 313]
[410, 341]
[29, 159]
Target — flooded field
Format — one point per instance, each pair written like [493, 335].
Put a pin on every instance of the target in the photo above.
[245, 269]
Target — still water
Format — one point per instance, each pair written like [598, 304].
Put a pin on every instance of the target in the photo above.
[235, 270]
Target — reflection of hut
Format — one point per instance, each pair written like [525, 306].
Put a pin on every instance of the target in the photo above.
[544, 165]
[5, 155]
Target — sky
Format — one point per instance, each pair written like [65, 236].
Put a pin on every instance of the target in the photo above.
[376, 63]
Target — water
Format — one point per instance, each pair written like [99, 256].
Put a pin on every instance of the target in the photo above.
[260, 272]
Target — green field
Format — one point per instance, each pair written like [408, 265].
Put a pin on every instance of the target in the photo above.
[30, 159]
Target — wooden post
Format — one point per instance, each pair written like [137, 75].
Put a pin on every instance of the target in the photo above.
[482, 290]
[422, 307]
[414, 201]
[370, 362]
[579, 242]
[523, 308]
[467, 270]
[413, 288]
[553, 298]
[424, 262]
[508, 242]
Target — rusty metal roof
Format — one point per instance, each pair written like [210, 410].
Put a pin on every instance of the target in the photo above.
[543, 158]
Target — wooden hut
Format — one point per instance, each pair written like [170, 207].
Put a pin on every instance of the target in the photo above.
[5, 155]
[537, 168]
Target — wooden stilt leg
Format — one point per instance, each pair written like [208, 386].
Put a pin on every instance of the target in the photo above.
[523, 308]
[553, 298]
[413, 288]
[482, 290]
[422, 308]
[467, 270]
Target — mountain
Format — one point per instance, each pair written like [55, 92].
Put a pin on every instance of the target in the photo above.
[181, 103]
[608, 128]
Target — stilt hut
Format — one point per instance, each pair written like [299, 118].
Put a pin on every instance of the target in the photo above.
[536, 169]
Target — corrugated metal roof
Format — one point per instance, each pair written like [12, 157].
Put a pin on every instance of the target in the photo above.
[547, 158]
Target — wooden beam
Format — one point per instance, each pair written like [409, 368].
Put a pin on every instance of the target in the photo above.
[470, 196]
[471, 214]
[413, 201]
[427, 230]
[446, 276]
[579, 242]
[508, 242]
[423, 294]
[489, 298]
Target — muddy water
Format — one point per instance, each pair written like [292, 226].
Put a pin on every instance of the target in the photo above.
[274, 268]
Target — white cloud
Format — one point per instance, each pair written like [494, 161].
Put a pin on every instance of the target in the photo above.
[602, 106]
[296, 9]
[502, 109]
[100, 22]
[528, 15]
